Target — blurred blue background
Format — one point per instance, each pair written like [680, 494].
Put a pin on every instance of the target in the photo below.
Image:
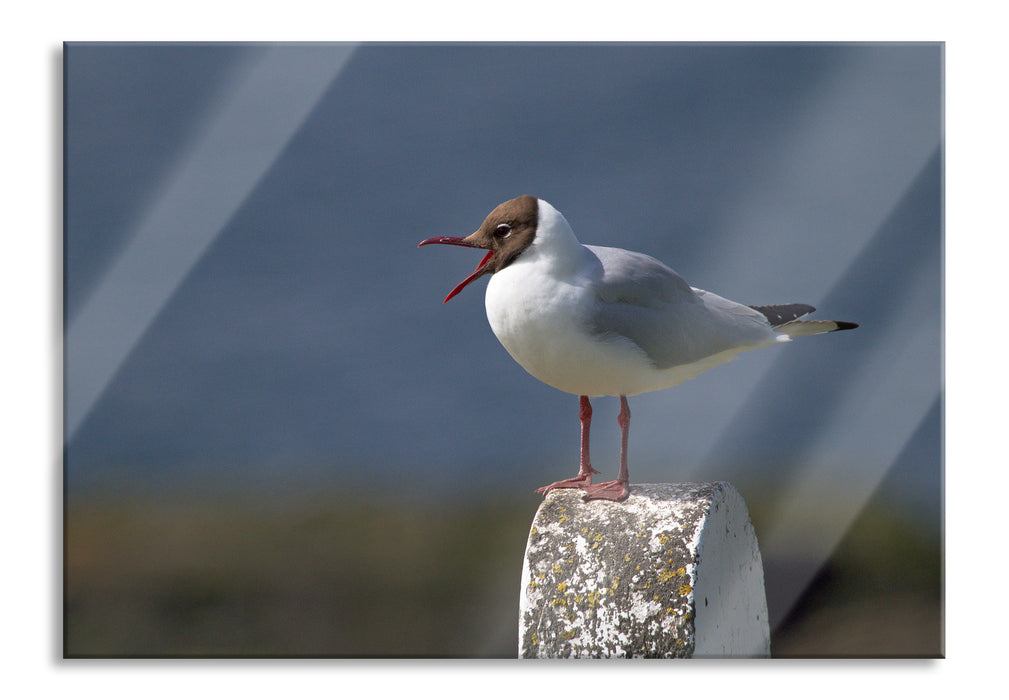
[251, 335]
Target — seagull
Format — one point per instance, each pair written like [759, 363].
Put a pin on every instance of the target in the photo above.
[598, 321]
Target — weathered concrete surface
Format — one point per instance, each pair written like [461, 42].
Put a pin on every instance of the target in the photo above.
[673, 571]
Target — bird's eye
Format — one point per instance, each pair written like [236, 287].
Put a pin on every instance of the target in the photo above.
[503, 231]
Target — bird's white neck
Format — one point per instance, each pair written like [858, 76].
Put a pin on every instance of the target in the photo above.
[555, 242]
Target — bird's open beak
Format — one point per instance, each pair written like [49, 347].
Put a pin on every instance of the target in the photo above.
[480, 270]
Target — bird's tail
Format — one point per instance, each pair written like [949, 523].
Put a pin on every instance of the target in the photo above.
[788, 318]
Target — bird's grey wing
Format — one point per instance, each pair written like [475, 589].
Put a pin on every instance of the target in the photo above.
[641, 299]
[637, 279]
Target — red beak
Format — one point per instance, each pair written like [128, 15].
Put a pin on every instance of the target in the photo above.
[452, 240]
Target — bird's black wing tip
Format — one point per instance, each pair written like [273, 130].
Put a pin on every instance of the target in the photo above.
[780, 314]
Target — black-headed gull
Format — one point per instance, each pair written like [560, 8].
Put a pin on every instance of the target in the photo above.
[595, 321]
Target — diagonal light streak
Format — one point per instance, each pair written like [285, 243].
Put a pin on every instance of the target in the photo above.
[807, 527]
[817, 205]
[890, 384]
[236, 148]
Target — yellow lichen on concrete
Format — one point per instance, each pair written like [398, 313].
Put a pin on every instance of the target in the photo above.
[578, 553]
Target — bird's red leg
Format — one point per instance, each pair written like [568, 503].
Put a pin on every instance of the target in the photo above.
[619, 489]
[585, 470]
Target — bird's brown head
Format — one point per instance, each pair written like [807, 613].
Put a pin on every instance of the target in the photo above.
[504, 234]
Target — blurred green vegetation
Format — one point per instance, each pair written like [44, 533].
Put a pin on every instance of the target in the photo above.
[329, 575]
[880, 594]
[348, 574]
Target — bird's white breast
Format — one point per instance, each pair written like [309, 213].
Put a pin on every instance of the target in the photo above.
[539, 315]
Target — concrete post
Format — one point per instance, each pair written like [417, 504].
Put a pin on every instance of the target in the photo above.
[673, 571]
